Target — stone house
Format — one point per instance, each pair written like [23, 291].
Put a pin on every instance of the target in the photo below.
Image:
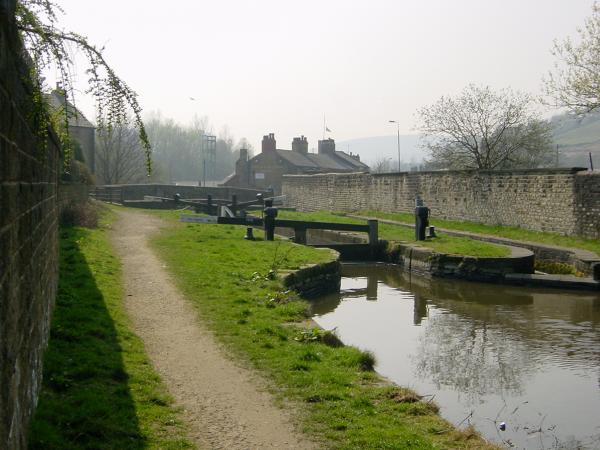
[81, 130]
[266, 169]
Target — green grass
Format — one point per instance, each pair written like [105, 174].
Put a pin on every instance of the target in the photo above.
[442, 243]
[338, 399]
[99, 390]
[515, 233]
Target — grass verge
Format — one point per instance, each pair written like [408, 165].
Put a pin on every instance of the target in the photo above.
[341, 401]
[442, 243]
[99, 390]
[515, 233]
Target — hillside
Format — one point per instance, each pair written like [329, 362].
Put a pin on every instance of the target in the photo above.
[576, 137]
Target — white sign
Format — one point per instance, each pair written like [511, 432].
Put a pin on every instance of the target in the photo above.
[259, 176]
[198, 219]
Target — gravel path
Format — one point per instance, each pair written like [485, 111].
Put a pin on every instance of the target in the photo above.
[225, 405]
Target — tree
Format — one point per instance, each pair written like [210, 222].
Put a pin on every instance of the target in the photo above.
[50, 46]
[382, 165]
[119, 158]
[483, 129]
[575, 82]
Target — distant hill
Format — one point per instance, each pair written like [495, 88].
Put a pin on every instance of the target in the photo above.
[575, 136]
[372, 149]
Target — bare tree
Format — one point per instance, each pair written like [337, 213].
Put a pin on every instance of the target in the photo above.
[575, 82]
[483, 129]
[381, 165]
[118, 156]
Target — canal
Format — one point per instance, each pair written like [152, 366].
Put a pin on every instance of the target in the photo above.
[486, 354]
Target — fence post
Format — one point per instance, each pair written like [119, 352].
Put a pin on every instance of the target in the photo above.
[373, 232]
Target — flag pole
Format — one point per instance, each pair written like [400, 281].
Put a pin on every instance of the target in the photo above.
[324, 127]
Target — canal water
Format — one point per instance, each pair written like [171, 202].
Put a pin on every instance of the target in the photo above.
[485, 353]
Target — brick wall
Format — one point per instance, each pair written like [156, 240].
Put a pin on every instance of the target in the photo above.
[558, 200]
[28, 241]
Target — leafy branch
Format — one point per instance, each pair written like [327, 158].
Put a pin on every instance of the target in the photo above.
[48, 45]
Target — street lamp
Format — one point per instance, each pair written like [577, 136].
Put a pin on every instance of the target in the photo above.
[398, 124]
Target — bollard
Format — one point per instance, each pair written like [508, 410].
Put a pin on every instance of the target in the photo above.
[249, 235]
[421, 221]
[270, 213]
[431, 231]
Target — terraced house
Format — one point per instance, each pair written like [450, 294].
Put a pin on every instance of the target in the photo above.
[266, 169]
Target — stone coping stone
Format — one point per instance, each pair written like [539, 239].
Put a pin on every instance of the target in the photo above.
[552, 281]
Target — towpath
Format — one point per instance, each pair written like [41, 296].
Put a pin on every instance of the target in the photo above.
[224, 404]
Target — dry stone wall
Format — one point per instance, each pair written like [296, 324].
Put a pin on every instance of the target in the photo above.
[564, 201]
[28, 240]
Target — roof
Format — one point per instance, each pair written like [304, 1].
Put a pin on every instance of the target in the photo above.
[340, 161]
[76, 118]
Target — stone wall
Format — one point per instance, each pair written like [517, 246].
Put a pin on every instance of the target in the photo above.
[123, 192]
[557, 200]
[28, 240]
[587, 204]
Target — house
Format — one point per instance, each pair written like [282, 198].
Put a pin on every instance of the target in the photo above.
[81, 130]
[266, 169]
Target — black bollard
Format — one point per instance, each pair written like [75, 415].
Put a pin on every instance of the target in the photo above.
[270, 213]
[249, 235]
[421, 222]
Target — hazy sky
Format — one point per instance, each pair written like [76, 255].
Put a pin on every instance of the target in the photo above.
[278, 66]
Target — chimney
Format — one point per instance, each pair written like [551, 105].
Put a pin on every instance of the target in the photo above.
[300, 145]
[268, 143]
[241, 166]
[327, 146]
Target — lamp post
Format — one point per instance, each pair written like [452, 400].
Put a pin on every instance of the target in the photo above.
[398, 125]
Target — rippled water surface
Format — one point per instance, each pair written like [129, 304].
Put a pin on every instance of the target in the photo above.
[488, 354]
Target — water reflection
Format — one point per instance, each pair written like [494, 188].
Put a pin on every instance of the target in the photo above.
[530, 358]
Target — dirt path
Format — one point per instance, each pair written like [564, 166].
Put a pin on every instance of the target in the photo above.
[222, 401]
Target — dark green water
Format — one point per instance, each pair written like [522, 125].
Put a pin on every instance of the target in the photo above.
[487, 353]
